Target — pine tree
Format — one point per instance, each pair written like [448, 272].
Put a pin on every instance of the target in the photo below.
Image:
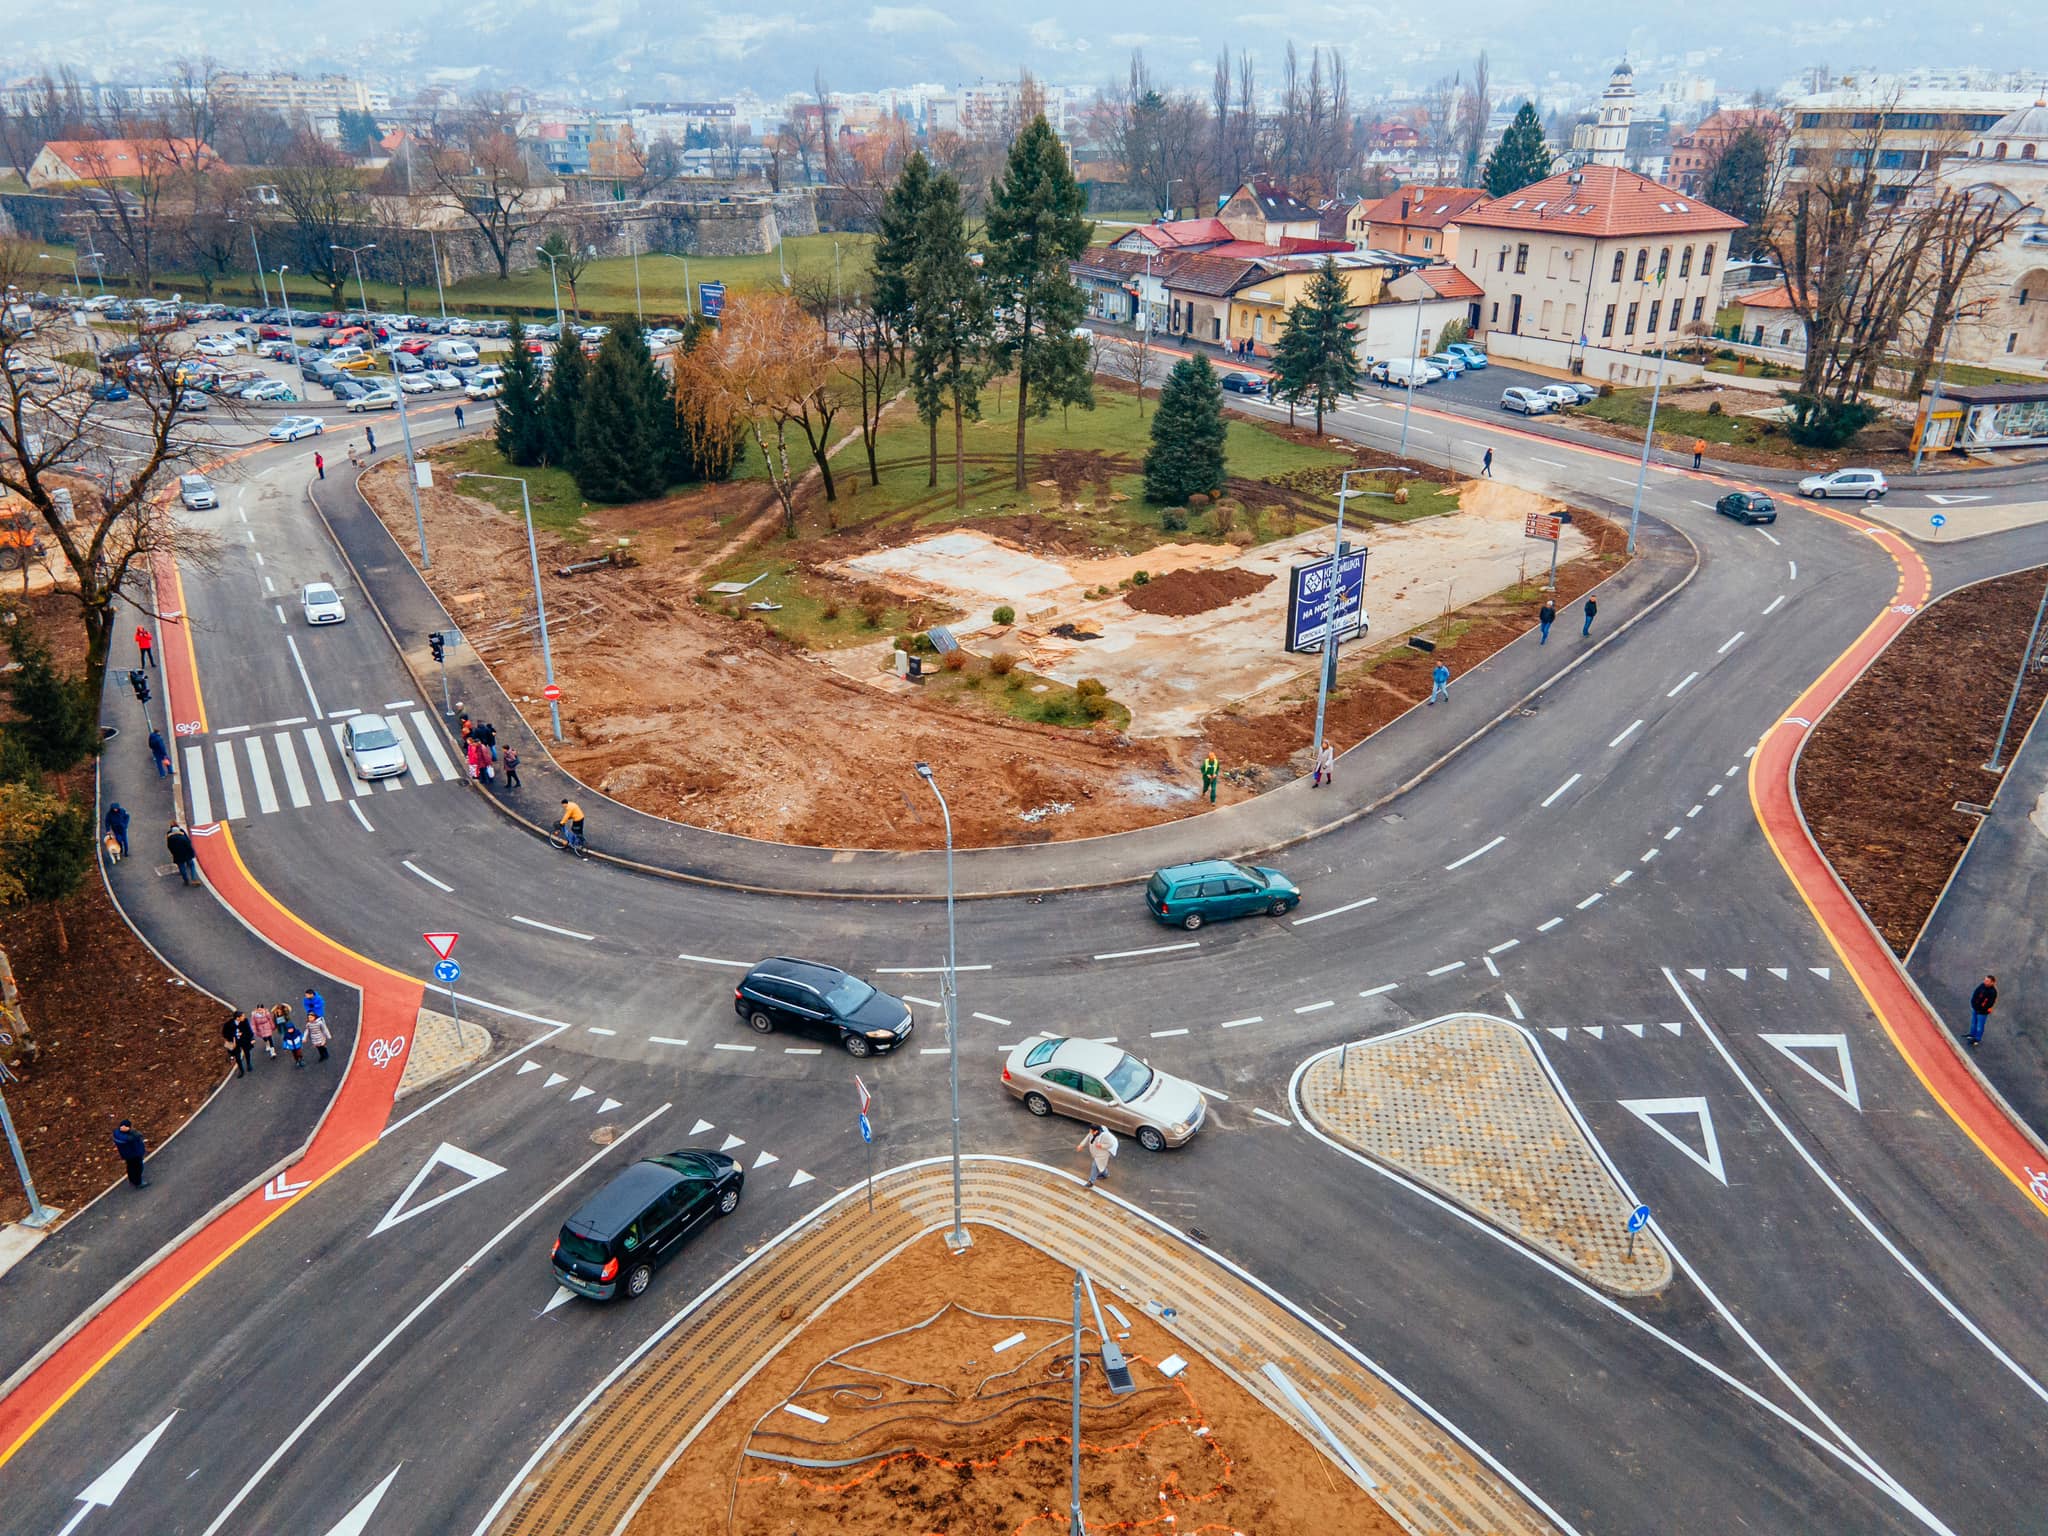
[949, 306]
[1521, 158]
[621, 454]
[892, 260]
[563, 403]
[1187, 435]
[1317, 358]
[1738, 182]
[521, 433]
[56, 720]
[1035, 228]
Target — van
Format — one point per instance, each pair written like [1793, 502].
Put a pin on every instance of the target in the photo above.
[487, 384]
[448, 353]
[612, 1244]
[1404, 372]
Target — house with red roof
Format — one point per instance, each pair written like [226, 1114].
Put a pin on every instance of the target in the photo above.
[68, 162]
[1597, 258]
[1412, 221]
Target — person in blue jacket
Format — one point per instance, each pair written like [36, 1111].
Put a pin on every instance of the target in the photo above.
[117, 826]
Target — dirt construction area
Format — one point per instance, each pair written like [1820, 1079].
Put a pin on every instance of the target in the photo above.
[731, 677]
[936, 1400]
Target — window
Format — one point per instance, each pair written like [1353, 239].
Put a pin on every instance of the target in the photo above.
[2026, 151]
[1619, 258]
[1643, 265]
[2001, 153]
[1522, 257]
[1216, 328]
[1494, 318]
[1544, 323]
[1699, 309]
[1655, 305]
[2012, 341]
[1676, 306]
[1629, 327]
[1502, 264]
[1785, 337]
[1685, 263]
[1707, 263]
[1607, 325]
[1663, 263]
[1428, 242]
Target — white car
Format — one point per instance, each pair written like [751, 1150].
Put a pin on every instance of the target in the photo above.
[322, 603]
[1563, 395]
[1869, 484]
[1529, 402]
[461, 327]
[417, 384]
[441, 378]
[283, 351]
[371, 748]
[382, 398]
[487, 385]
[664, 336]
[292, 428]
[197, 492]
[216, 346]
[275, 391]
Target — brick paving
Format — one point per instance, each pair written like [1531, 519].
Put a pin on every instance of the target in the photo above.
[441, 1046]
[1464, 1106]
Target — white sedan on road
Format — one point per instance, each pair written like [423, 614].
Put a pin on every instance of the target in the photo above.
[382, 398]
[292, 428]
[372, 748]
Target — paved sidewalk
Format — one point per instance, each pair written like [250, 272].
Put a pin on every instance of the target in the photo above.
[1379, 767]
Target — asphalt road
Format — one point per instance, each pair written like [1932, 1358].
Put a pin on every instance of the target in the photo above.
[1853, 1343]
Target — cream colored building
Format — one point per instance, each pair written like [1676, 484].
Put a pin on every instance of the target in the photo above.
[1600, 258]
[2008, 297]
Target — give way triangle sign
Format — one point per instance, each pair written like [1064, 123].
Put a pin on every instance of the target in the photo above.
[442, 944]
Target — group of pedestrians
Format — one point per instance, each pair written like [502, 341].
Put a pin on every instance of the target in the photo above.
[488, 762]
[272, 1026]
[1547, 616]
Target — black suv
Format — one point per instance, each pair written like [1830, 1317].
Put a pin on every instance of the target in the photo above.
[821, 1000]
[1748, 507]
[613, 1245]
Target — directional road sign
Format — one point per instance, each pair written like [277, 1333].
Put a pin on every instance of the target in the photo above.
[1939, 520]
[867, 1131]
[442, 944]
[447, 972]
[1639, 1218]
[862, 1089]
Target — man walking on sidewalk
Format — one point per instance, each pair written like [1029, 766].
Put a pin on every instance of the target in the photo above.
[1592, 610]
[1100, 1146]
[117, 826]
[178, 843]
[1440, 682]
[320, 465]
[1545, 617]
[1486, 464]
[161, 752]
[1982, 1001]
[128, 1142]
[1211, 772]
[240, 1036]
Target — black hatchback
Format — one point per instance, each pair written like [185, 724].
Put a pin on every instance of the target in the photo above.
[821, 1000]
[614, 1243]
[1748, 507]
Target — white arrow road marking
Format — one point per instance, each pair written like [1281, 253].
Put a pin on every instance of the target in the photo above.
[282, 1188]
[801, 1178]
[1649, 1110]
[478, 1168]
[1845, 1090]
[357, 1520]
[108, 1486]
[562, 1294]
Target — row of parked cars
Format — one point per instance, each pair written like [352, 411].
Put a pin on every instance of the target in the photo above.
[1543, 399]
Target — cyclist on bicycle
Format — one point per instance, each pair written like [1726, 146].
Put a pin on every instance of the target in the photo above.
[571, 824]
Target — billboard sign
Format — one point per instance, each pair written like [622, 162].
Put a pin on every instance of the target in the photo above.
[1542, 525]
[711, 300]
[1309, 601]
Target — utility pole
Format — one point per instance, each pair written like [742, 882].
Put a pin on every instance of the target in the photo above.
[957, 1238]
[1075, 1525]
[1329, 667]
[1635, 512]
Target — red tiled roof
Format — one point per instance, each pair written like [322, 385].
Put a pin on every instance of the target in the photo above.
[88, 158]
[1210, 275]
[1427, 207]
[1449, 283]
[1607, 201]
[1293, 245]
[1176, 233]
[1779, 297]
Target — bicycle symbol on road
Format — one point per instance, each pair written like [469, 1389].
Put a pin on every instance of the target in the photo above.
[186, 728]
[383, 1052]
[2037, 1184]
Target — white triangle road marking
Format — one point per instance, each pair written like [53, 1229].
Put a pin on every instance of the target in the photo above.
[733, 1141]
[1675, 1028]
[554, 1078]
[1740, 973]
[1648, 1111]
[608, 1106]
[700, 1127]
[1562, 1034]
[1597, 1031]
[765, 1159]
[1845, 1090]
[357, 1520]
[562, 1294]
[801, 1178]
[526, 1067]
[478, 1168]
[1780, 972]
[1636, 1029]
[583, 1091]
[1823, 972]
[1696, 973]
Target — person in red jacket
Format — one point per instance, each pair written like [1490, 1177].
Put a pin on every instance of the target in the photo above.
[145, 645]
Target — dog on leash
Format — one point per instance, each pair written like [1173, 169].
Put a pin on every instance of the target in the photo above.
[112, 847]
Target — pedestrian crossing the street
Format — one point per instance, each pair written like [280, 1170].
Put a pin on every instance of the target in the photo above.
[290, 769]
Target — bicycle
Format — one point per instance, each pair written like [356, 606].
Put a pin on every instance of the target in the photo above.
[562, 835]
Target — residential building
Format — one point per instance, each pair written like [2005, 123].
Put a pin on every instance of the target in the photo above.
[67, 162]
[1266, 213]
[2007, 304]
[1258, 309]
[1692, 155]
[1771, 319]
[1412, 221]
[1217, 298]
[606, 150]
[1413, 309]
[1909, 130]
[318, 102]
[1599, 257]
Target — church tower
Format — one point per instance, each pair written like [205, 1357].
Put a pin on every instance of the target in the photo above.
[1617, 112]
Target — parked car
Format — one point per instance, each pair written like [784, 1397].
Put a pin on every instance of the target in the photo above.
[405, 362]
[818, 999]
[441, 378]
[447, 351]
[1567, 393]
[1748, 507]
[271, 392]
[197, 493]
[1529, 402]
[1404, 372]
[1191, 894]
[44, 373]
[1449, 364]
[487, 385]
[348, 390]
[321, 603]
[278, 349]
[218, 346]
[193, 400]
[1468, 354]
[414, 345]
[292, 428]
[382, 398]
[1238, 382]
[109, 390]
[637, 1222]
[1093, 1081]
[1870, 484]
[417, 382]
[371, 748]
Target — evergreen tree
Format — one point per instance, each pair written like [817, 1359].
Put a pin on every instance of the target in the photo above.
[621, 452]
[1035, 228]
[949, 308]
[562, 405]
[1317, 358]
[1187, 435]
[56, 722]
[521, 433]
[1738, 183]
[1521, 157]
[896, 243]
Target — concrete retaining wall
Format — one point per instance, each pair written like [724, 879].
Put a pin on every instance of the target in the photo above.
[1600, 365]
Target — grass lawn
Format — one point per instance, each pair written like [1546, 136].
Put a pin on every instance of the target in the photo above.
[557, 505]
[813, 613]
[1631, 408]
[1019, 695]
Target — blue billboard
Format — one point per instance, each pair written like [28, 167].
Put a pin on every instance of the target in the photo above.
[1309, 606]
[711, 300]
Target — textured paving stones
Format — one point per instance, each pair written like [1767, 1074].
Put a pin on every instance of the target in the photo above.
[440, 1046]
[1464, 1106]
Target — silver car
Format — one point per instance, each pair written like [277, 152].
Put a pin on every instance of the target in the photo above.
[1093, 1081]
[372, 748]
[1866, 484]
[197, 492]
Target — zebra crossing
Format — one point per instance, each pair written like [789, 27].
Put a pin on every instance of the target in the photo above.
[247, 760]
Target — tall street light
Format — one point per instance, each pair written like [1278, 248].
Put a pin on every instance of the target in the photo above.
[440, 295]
[957, 1238]
[555, 279]
[355, 254]
[547, 656]
[298, 353]
[1635, 511]
[1414, 358]
[412, 471]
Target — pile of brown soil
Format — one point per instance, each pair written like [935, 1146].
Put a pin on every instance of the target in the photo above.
[1881, 775]
[947, 1438]
[1180, 593]
[119, 1037]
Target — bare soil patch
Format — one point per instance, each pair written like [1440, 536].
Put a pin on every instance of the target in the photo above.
[1181, 593]
[948, 1438]
[1880, 776]
[119, 1036]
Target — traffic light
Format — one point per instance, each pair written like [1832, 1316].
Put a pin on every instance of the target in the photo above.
[435, 644]
[139, 681]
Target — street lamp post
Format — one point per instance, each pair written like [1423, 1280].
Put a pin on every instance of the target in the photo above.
[1414, 357]
[540, 607]
[262, 288]
[1997, 765]
[1635, 512]
[1329, 667]
[434, 251]
[39, 1214]
[298, 355]
[1075, 1526]
[957, 1238]
[355, 254]
[1940, 376]
[633, 244]
[555, 280]
[412, 472]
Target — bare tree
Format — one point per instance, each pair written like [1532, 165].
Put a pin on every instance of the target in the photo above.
[1439, 121]
[1962, 226]
[54, 107]
[1475, 107]
[322, 194]
[140, 168]
[482, 173]
[1128, 358]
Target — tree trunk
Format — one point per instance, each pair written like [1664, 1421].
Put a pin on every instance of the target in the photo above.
[932, 478]
[63, 938]
[959, 455]
[1023, 391]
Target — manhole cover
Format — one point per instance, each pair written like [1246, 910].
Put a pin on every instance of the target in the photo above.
[605, 1135]
[1392, 817]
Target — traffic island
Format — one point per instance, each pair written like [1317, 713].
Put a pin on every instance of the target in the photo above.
[857, 1376]
[1465, 1106]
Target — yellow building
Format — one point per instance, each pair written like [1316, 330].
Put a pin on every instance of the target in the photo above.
[1259, 307]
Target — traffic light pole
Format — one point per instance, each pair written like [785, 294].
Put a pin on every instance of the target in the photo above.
[438, 644]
